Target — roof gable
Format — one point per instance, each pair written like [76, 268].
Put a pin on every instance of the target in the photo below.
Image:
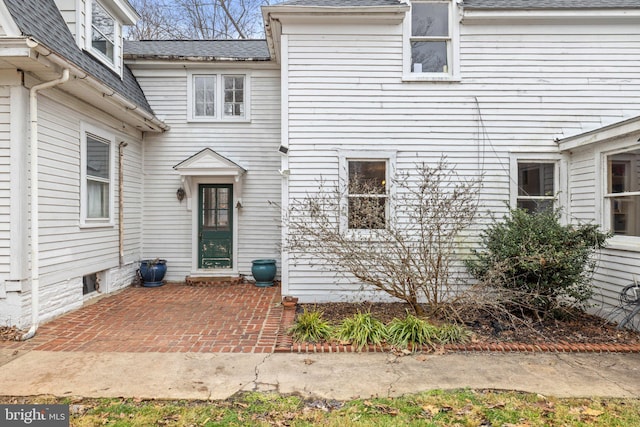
[209, 163]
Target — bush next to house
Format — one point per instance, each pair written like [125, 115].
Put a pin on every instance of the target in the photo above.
[540, 263]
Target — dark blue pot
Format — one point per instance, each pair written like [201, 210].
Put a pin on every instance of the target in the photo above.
[152, 272]
[264, 271]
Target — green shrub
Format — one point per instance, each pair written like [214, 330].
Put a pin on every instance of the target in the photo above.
[362, 329]
[412, 332]
[544, 265]
[310, 327]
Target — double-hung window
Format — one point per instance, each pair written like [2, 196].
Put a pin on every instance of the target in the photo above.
[536, 186]
[367, 194]
[104, 31]
[218, 97]
[97, 177]
[622, 196]
[431, 37]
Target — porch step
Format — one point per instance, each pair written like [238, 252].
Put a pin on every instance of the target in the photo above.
[213, 281]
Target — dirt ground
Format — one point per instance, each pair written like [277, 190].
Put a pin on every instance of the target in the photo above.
[577, 327]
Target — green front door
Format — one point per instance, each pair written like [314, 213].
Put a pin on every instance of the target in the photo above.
[215, 226]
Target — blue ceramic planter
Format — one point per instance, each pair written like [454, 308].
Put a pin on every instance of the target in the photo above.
[264, 271]
[152, 272]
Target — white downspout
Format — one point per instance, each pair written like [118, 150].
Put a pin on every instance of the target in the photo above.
[121, 202]
[35, 227]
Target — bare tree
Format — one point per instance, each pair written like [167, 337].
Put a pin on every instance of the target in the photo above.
[197, 19]
[410, 254]
[157, 21]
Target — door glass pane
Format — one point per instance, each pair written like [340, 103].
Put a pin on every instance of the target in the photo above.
[208, 207]
[223, 208]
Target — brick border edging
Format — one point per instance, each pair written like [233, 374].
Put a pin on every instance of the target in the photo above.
[285, 344]
[283, 347]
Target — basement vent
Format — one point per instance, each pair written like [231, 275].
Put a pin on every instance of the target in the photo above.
[90, 283]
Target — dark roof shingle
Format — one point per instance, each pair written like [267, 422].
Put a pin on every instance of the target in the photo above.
[256, 50]
[42, 20]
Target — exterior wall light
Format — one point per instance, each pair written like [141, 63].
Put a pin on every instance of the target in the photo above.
[180, 194]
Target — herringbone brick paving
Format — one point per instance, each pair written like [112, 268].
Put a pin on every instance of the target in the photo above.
[172, 318]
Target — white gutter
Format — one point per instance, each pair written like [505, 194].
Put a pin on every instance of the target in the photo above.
[35, 218]
[92, 81]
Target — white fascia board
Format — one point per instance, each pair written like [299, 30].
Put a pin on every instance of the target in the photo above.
[125, 13]
[474, 16]
[606, 133]
[15, 47]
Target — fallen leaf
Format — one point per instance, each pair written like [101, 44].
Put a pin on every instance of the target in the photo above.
[592, 412]
[431, 410]
[309, 361]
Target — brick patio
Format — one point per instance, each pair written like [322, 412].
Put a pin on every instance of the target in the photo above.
[171, 318]
[229, 318]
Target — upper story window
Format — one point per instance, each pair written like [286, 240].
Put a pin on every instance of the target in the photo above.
[622, 196]
[102, 29]
[536, 186]
[368, 195]
[103, 32]
[431, 48]
[218, 97]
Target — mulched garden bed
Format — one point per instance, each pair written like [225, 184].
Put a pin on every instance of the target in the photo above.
[576, 328]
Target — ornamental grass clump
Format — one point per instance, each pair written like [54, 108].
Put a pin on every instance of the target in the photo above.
[310, 327]
[450, 333]
[362, 329]
[412, 332]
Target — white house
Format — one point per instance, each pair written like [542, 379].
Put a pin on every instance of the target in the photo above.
[113, 152]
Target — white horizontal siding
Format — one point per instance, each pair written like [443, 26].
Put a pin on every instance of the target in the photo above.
[67, 250]
[521, 87]
[168, 227]
[5, 183]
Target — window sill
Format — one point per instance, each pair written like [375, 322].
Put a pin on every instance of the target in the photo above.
[426, 77]
[89, 225]
[624, 243]
[105, 60]
[214, 120]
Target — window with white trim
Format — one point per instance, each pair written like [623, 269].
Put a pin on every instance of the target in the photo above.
[97, 175]
[431, 41]
[104, 31]
[367, 194]
[536, 185]
[217, 96]
[622, 195]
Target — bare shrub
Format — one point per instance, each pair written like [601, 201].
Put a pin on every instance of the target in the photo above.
[401, 242]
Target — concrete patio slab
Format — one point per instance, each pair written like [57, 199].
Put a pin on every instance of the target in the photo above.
[329, 376]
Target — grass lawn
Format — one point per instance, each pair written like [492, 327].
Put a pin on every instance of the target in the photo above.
[435, 408]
